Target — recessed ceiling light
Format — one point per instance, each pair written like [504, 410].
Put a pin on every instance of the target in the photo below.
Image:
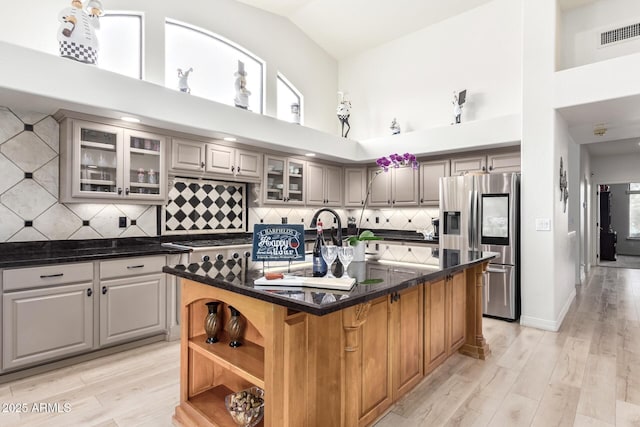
[310, 154]
[230, 139]
[130, 119]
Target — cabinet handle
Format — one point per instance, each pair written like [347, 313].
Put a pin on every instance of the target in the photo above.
[126, 191]
[484, 169]
[131, 267]
[202, 165]
[47, 276]
[104, 290]
[119, 191]
[421, 200]
[388, 202]
[490, 168]
[362, 202]
[89, 292]
[238, 169]
[393, 203]
[233, 168]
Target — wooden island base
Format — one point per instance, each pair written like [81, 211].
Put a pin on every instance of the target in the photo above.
[345, 368]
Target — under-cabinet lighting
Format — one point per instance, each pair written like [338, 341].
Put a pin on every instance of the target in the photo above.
[229, 138]
[310, 154]
[130, 119]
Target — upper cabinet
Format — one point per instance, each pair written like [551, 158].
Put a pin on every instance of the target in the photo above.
[492, 163]
[285, 179]
[396, 187]
[430, 174]
[508, 162]
[324, 185]
[215, 159]
[355, 186]
[463, 165]
[105, 162]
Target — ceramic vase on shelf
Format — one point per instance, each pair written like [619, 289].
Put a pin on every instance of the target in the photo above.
[212, 322]
[235, 326]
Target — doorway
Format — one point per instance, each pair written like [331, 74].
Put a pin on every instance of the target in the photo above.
[618, 228]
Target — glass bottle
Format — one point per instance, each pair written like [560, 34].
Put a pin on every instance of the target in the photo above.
[319, 266]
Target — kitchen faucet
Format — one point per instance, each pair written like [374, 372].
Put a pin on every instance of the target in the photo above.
[314, 221]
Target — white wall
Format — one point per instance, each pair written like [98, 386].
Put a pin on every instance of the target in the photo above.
[574, 207]
[547, 267]
[581, 28]
[617, 169]
[413, 78]
[587, 204]
[274, 39]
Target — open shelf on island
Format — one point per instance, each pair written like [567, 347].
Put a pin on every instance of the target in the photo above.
[246, 361]
[210, 404]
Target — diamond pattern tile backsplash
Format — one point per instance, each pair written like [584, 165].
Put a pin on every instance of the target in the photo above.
[29, 208]
[205, 206]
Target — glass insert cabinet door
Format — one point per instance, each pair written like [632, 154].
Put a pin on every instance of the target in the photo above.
[98, 151]
[285, 180]
[117, 163]
[143, 167]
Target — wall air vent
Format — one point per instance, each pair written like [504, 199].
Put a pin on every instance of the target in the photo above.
[619, 34]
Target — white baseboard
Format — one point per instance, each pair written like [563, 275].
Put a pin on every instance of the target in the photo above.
[549, 325]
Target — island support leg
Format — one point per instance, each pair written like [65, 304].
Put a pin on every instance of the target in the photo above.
[353, 319]
[475, 344]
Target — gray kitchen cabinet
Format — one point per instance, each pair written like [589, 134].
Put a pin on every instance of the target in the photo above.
[355, 186]
[396, 187]
[132, 298]
[224, 160]
[187, 155]
[103, 162]
[463, 165]
[285, 180]
[46, 315]
[506, 162]
[215, 159]
[430, 174]
[324, 185]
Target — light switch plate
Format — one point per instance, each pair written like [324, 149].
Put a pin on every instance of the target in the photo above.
[543, 224]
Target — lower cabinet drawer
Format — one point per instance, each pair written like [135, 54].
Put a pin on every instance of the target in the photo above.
[132, 266]
[47, 275]
[44, 324]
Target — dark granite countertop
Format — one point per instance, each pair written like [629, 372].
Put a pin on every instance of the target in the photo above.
[29, 254]
[374, 278]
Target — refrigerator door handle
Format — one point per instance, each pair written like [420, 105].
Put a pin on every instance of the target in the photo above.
[472, 221]
[496, 270]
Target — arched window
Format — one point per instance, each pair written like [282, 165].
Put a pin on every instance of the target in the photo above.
[214, 61]
[120, 38]
[289, 102]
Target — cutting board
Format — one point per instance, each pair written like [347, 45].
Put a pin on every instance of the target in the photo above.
[312, 282]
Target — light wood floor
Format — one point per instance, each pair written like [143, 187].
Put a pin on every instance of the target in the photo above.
[588, 374]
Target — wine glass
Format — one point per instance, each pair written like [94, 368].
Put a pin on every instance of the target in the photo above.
[345, 253]
[329, 254]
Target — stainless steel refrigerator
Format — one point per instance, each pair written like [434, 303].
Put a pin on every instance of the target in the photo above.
[482, 213]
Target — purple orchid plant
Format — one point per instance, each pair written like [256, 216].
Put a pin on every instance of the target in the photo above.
[386, 162]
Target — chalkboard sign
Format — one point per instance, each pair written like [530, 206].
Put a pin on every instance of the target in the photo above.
[278, 242]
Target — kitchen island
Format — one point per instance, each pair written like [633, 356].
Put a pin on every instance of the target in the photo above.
[326, 358]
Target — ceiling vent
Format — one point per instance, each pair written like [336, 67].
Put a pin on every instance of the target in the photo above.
[617, 35]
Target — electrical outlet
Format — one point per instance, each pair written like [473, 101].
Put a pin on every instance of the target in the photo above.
[377, 220]
[122, 222]
[285, 220]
